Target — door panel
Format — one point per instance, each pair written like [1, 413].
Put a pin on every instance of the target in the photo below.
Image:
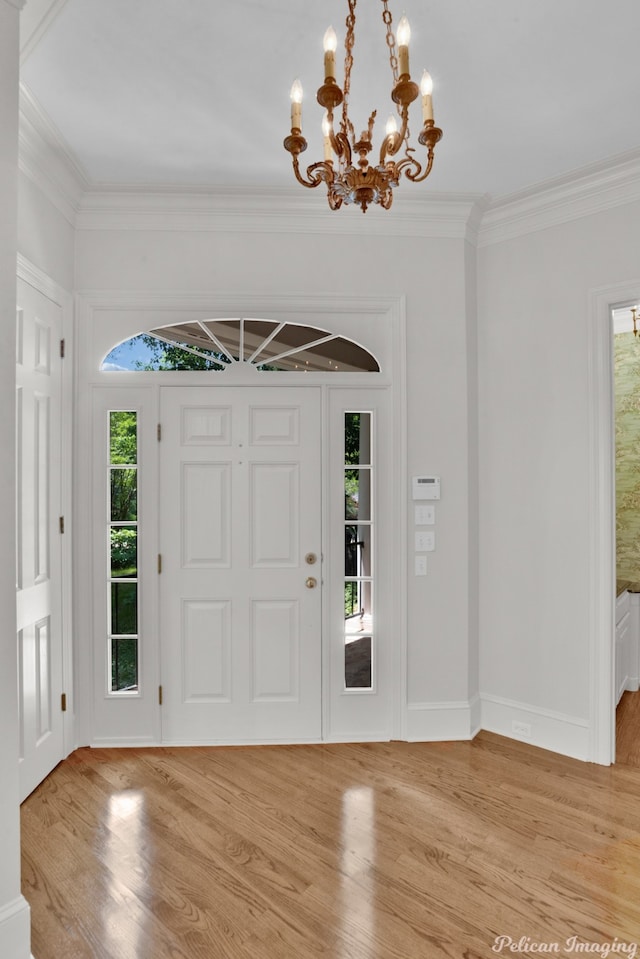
[38, 559]
[274, 514]
[241, 630]
[275, 643]
[206, 511]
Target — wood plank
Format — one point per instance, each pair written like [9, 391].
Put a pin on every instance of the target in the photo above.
[349, 851]
[628, 729]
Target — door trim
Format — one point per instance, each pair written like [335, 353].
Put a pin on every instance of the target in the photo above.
[601, 477]
[105, 317]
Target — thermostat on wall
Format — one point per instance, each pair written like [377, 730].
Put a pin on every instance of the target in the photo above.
[426, 487]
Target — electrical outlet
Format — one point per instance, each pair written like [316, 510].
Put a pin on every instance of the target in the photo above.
[521, 729]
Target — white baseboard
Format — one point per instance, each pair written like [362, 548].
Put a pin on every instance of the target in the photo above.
[15, 930]
[451, 721]
[437, 722]
[113, 742]
[628, 685]
[557, 732]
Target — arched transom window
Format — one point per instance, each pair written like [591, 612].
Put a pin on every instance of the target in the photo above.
[219, 344]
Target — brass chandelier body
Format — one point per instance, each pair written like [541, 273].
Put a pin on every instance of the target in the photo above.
[359, 182]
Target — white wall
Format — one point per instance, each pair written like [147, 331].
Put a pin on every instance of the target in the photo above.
[46, 238]
[534, 302]
[430, 272]
[473, 560]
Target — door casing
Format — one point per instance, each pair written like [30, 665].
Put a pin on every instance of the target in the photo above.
[104, 318]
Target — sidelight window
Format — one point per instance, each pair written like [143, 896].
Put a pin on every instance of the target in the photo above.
[122, 540]
[358, 552]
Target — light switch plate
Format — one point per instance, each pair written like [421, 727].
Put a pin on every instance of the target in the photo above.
[425, 541]
[420, 564]
[425, 515]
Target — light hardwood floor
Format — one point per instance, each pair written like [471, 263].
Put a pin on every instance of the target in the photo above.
[374, 851]
[628, 729]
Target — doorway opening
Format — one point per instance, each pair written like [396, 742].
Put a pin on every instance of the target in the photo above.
[219, 418]
[626, 452]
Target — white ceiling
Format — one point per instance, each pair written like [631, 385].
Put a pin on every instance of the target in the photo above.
[196, 92]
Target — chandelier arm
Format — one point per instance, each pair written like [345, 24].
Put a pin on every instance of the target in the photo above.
[393, 141]
[416, 175]
[341, 146]
[389, 147]
[317, 173]
[429, 137]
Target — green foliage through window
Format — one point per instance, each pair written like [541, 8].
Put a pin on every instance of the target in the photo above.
[123, 437]
[123, 549]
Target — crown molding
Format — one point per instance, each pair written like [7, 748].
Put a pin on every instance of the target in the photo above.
[592, 189]
[277, 210]
[41, 281]
[223, 304]
[46, 159]
[34, 23]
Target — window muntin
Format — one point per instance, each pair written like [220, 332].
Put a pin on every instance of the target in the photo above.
[122, 553]
[217, 344]
[359, 639]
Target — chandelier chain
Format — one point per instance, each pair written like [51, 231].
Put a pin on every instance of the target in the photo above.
[391, 41]
[349, 41]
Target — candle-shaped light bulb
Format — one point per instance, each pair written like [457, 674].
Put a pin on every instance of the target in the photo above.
[404, 35]
[404, 32]
[392, 126]
[330, 40]
[326, 133]
[296, 105]
[426, 88]
[330, 44]
[426, 84]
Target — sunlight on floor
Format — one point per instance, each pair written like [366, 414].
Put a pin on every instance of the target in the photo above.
[357, 865]
[123, 928]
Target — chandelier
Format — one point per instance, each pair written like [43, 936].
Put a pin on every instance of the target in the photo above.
[634, 311]
[359, 182]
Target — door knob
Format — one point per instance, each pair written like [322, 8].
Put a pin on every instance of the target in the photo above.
[311, 582]
[310, 558]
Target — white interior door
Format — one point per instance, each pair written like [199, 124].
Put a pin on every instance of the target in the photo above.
[38, 566]
[240, 526]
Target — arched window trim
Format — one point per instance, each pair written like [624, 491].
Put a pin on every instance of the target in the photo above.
[280, 347]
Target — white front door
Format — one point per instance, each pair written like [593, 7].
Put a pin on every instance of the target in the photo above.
[240, 586]
[38, 560]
